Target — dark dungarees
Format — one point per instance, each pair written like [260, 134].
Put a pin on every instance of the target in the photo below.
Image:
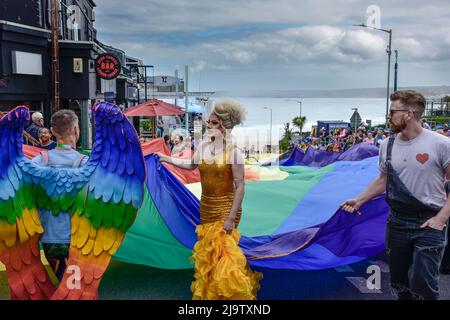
[414, 253]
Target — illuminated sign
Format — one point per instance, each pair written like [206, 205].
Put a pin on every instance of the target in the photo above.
[107, 66]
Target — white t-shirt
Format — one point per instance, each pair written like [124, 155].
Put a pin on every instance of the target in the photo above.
[421, 164]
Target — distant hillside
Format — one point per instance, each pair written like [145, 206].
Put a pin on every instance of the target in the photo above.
[437, 91]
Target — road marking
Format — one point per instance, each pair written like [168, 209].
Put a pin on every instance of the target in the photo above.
[361, 284]
[345, 268]
[384, 267]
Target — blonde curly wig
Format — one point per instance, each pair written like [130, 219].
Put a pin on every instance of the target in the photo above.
[230, 112]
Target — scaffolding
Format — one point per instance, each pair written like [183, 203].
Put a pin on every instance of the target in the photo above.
[438, 107]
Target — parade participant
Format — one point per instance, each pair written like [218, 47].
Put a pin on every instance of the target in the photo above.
[45, 139]
[37, 123]
[178, 144]
[336, 146]
[369, 138]
[445, 265]
[446, 128]
[348, 143]
[56, 237]
[425, 124]
[413, 164]
[221, 269]
[160, 130]
[168, 142]
[93, 205]
[379, 137]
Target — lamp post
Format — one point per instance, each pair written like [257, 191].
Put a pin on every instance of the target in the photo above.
[145, 79]
[270, 139]
[186, 99]
[356, 122]
[389, 51]
[300, 103]
[56, 98]
[136, 120]
[396, 70]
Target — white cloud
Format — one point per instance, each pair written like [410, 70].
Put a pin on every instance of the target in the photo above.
[202, 65]
[199, 66]
[240, 56]
[313, 38]
[312, 43]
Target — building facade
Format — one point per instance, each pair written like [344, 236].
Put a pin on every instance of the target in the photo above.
[26, 55]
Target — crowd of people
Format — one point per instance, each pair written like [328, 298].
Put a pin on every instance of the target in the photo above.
[340, 140]
[36, 134]
[178, 138]
[334, 140]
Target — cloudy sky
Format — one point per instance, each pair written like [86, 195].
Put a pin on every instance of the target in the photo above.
[281, 44]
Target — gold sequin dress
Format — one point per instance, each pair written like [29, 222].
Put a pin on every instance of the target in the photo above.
[221, 269]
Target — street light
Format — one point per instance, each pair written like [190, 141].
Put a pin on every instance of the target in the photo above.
[389, 51]
[299, 102]
[138, 73]
[395, 70]
[270, 139]
[356, 122]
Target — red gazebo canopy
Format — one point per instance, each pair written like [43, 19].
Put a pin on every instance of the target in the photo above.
[153, 108]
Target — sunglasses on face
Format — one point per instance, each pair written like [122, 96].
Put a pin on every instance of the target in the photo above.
[392, 112]
[213, 122]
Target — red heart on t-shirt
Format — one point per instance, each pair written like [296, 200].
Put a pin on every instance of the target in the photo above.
[422, 158]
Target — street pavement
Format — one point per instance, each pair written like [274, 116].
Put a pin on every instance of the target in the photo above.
[124, 281]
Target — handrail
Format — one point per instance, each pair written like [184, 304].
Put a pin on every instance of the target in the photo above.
[29, 138]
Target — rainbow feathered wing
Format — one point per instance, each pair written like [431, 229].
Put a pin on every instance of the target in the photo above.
[102, 197]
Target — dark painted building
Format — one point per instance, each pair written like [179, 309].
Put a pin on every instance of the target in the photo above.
[25, 60]
[24, 55]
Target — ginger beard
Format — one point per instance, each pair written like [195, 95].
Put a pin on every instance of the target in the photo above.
[398, 127]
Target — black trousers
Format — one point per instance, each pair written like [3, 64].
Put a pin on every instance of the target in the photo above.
[414, 256]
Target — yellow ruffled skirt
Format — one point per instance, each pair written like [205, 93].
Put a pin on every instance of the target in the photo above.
[221, 269]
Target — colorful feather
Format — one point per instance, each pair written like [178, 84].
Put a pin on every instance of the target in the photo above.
[20, 227]
[103, 197]
[104, 211]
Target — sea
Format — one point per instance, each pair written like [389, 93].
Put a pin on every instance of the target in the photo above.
[256, 128]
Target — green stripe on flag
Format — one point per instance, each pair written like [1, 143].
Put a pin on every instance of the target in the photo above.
[150, 242]
[268, 203]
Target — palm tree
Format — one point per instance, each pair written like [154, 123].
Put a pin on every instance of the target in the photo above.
[287, 131]
[285, 141]
[299, 122]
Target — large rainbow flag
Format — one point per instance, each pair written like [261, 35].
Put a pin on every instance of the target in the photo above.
[291, 217]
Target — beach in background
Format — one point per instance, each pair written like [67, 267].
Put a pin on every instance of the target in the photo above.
[256, 128]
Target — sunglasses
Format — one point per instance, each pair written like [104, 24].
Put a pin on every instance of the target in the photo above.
[391, 112]
[213, 122]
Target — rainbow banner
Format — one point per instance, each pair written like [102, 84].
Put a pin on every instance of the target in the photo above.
[292, 222]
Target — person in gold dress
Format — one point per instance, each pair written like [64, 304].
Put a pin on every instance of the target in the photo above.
[221, 269]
